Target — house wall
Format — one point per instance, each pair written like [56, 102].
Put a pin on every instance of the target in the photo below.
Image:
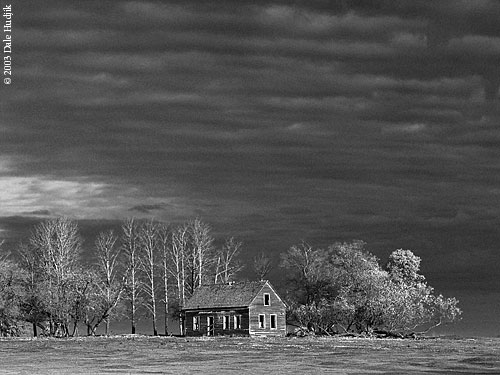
[276, 306]
[218, 328]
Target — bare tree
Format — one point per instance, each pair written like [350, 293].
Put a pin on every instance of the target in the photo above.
[178, 253]
[179, 250]
[55, 245]
[58, 245]
[33, 307]
[227, 262]
[164, 241]
[81, 291]
[262, 265]
[201, 245]
[110, 286]
[130, 248]
[148, 240]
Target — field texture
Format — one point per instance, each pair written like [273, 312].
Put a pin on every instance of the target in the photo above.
[168, 355]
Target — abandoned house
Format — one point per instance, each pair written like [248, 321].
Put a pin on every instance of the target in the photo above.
[249, 308]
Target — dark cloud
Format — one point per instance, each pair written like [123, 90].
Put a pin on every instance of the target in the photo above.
[39, 213]
[274, 121]
[147, 208]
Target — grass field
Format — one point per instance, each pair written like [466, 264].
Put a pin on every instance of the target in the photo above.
[169, 355]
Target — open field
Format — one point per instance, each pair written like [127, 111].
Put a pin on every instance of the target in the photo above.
[169, 355]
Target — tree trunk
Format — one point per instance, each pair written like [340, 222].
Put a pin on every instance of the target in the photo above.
[35, 330]
[200, 267]
[166, 318]
[132, 317]
[133, 307]
[165, 297]
[75, 330]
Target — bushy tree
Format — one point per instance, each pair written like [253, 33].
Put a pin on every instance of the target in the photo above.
[360, 284]
[344, 289]
[412, 303]
[404, 267]
[12, 294]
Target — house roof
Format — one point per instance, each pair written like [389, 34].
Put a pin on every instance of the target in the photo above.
[224, 295]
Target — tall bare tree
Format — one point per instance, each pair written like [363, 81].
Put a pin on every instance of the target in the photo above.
[178, 253]
[109, 286]
[130, 247]
[227, 263]
[201, 255]
[179, 249]
[164, 242]
[148, 242]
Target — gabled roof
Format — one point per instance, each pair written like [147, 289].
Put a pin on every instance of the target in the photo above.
[224, 295]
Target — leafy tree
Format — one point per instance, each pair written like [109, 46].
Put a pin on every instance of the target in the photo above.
[412, 302]
[12, 294]
[321, 317]
[404, 266]
[442, 311]
[344, 289]
[359, 282]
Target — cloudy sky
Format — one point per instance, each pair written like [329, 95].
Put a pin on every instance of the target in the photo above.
[273, 121]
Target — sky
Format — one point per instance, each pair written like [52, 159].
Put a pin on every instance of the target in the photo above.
[273, 121]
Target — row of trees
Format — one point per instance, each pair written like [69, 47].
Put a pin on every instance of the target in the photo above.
[147, 267]
[344, 289]
[152, 268]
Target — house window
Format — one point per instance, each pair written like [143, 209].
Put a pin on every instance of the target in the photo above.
[225, 322]
[196, 323]
[262, 321]
[274, 321]
[237, 322]
[267, 299]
